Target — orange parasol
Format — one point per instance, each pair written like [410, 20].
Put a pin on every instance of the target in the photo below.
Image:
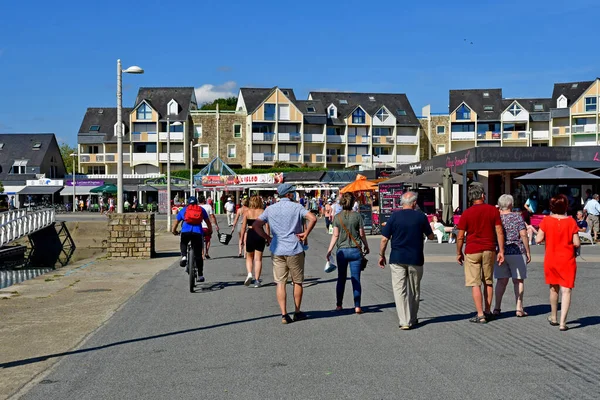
[361, 184]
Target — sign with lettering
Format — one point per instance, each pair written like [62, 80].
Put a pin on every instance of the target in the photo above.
[44, 182]
[88, 183]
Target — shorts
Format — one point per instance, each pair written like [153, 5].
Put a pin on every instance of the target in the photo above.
[254, 242]
[593, 222]
[207, 235]
[514, 266]
[479, 267]
[285, 266]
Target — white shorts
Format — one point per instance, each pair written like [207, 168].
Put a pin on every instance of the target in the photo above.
[514, 266]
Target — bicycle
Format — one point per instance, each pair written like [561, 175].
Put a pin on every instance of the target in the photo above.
[193, 274]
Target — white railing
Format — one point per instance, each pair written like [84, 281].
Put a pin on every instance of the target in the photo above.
[336, 139]
[289, 137]
[541, 134]
[317, 158]
[405, 139]
[263, 157]
[17, 224]
[561, 130]
[462, 136]
[314, 138]
[403, 159]
[584, 141]
[263, 137]
[175, 157]
[288, 157]
[514, 135]
[332, 158]
[175, 136]
[383, 158]
[145, 156]
[138, 137]
[589, 128]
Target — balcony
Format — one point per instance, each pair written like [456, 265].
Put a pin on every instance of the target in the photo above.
[290, 157]
[589, 128]
[175, 136]
[289, 137]
[359, 158]
[462, 136]
[406, 139]
[561, 130]
[585, 140]
[336, 159]
[263, 157]
[139, 157]
[314, 138]
[358, 139]
[541, 135]
[489, 135]
[263, 137]
[383, 158]
[406, 159]
[514, 135]
[144, 137]
[175, 157]
[336, 139]
[383, 139]
[314, 158]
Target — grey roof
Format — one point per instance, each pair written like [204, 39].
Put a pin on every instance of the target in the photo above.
[571, 90]
[393, 102]
[159, 98]
[558, 173]
[529, 104]
[19, 146]
[540, 117]
[315, 119]
[308, 176]
[105, 118]
[345, 177]
[254, 97]
[335, 122]
[560, 112]
[475, 100]
[318, 116]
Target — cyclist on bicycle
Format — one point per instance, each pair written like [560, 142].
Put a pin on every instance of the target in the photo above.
[191, 231]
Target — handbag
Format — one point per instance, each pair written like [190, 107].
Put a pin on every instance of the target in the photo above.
[363, 260]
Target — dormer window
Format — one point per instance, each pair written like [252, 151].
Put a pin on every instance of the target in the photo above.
[343, 101]
[371, 98]
[332, 112]
[561, 102]
[463, 112]
[574, 85]
[285, 92]
[401, 112]
[310, 110]
[37, 145]
[488, 108]
[144, 112]
[173, 108]
[486, 94]
[94, 128]
[382, 114]
[358, 116]
[538, 107]
[515, 109]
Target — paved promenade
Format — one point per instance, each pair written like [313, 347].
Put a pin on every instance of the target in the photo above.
[226, 341]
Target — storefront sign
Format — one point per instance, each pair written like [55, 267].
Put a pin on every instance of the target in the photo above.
[88, 183]
[224, 180]
[44, 182]
[390, 195]
[261, 178]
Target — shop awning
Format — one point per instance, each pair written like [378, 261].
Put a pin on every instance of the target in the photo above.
[40, 189]
[12, 189]
[79, 190]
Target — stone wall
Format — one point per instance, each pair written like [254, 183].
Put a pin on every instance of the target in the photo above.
[131, 235]
[209, 136]
[434, 139]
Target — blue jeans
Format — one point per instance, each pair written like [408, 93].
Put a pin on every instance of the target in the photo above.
[351, 257]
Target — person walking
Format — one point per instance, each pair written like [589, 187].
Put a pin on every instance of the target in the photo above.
[347, 227]
[285, 219]
[481, 222]
[255, 245]
[239, 215]
[207, 233]
[581, 222]
[592, 208]
[516, 255]
[560, 232]
[406, 229]
[328, 214]
[230, 210]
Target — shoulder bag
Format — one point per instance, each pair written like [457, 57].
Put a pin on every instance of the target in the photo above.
[363, 260]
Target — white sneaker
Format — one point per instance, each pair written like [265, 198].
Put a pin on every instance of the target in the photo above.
[248, 280]
[183, 261]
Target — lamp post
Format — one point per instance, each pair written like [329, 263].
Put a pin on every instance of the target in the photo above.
[192, 145]
[74, 182]
[176, 123]
[131, 70]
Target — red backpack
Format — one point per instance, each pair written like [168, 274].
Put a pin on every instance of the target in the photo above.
[193, 215]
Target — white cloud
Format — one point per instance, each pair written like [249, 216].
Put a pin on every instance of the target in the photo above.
[207, 92]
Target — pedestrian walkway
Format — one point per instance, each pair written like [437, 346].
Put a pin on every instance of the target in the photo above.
[226, 341]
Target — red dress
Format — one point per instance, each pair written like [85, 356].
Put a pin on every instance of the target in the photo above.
[559, 261]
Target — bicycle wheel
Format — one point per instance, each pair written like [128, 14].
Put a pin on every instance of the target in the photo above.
[191, 260]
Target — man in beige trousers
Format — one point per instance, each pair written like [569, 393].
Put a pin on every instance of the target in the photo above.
[406, 229]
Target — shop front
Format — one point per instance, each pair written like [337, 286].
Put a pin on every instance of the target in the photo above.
[40, 192]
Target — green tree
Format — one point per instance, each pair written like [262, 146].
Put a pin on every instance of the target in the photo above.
[227, 104]
[65, 152]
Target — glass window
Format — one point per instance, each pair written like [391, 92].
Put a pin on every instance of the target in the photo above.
[231, 150]
[343, 101]
[371, 98]
[382, 132]
[441, 129]
[93, 149]
[270, 112]
[463, 127]
[332, 112]
[463, 112]
[538, 107]
[332, 130]
[198, 131]
[310, 110]
[401, 112]
[441, 148]
[176, 128]
[94, 128]
[358, 116]
[144, 112]
[486, 94]
[173, 109]
[580, 121]
[203, 151]
[382, 115]
[237, 131]
[488, 108]
[591, 104]
[515, 109]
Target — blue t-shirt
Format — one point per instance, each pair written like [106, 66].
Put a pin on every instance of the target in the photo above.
[185, 227]
[405, 229]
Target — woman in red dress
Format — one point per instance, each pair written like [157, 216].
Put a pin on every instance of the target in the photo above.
[560, 233]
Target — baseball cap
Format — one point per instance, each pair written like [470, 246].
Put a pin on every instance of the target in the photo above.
[192, 200]
[285, 188]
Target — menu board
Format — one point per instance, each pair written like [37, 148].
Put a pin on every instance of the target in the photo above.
[366, 212]
[390, 195]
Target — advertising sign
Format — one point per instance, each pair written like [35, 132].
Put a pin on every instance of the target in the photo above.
[88, 183]
[44, 182]
[224, 180]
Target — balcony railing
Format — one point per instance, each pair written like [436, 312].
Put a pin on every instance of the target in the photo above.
[359, 158]
[585, 141]
[314, 138]
[263, 157]
[289, 137]
[462, 135]
[358, 139]
[383, 139]
[514, 135]
[314, 158]
[175, 136]
[489, 135]
[144, 137]
[406, 139]
[175, 157]
[336, 139]
[561, 130]
[405, 159]
[383, 158]
[541, 134]
[339, 159]
[294, 157]
[145, 157]
[263, 137]
[589, 128]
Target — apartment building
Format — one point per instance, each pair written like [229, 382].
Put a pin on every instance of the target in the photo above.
[145, 134]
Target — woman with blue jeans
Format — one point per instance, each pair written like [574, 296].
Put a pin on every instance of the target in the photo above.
[348, 232]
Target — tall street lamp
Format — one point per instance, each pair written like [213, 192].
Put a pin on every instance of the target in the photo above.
[192, 146]
[169, 125]
[131, 70]
[74, 182]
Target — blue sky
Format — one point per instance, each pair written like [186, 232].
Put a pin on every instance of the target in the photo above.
[58, 58]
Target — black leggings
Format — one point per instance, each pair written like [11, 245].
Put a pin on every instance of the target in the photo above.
[197, 244]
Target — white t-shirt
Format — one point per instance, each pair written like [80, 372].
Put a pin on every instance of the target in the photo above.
[209, 212]
[229, 206]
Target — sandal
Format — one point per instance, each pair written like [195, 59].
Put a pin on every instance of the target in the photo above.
[521, 314]
[285, 319]
[551, 321]
[563, 328]
[496, 312]
[478, 319]
[358, 310]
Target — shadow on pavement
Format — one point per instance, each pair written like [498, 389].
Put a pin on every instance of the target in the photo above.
[585, 321]
[348, 311]
[33, 360]
[166, 254]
